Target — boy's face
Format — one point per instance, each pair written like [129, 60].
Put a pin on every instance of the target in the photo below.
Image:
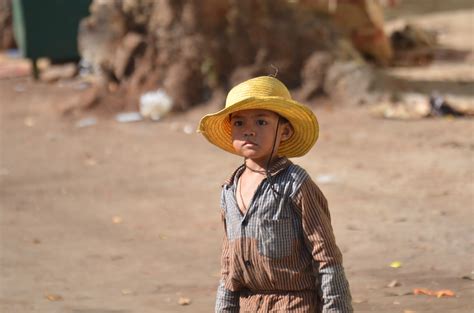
[253, 133]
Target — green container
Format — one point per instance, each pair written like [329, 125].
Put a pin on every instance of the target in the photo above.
[48, 28]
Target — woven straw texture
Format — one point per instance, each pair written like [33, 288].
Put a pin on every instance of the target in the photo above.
[265, 93]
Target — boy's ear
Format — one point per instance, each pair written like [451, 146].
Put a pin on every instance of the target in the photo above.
[287, 131]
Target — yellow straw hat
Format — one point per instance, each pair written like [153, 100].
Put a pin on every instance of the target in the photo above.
[264, 93]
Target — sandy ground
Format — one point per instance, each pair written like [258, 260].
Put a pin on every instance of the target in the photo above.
[121, 218]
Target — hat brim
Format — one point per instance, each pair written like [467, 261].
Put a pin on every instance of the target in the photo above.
[216, 127]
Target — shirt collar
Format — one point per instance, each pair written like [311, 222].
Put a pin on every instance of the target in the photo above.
[279, 165]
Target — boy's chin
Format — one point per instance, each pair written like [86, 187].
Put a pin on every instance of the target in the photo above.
[247, 152]
[253, 155]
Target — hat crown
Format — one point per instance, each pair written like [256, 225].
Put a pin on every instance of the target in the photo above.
[259, 87]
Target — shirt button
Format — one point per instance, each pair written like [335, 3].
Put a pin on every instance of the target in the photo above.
[247, 263]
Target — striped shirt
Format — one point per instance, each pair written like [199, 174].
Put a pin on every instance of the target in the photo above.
[281, 255]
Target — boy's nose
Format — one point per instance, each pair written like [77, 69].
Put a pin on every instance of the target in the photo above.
[249, 133]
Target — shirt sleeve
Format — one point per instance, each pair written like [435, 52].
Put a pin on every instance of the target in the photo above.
[226, 300]
[332, 284]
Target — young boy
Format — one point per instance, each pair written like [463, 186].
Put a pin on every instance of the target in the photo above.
[279, 253]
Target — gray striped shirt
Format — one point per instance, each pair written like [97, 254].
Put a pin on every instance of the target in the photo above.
[280, 255]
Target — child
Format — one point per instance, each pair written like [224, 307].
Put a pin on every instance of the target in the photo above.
[279, 253]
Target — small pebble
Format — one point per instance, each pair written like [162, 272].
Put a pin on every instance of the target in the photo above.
[184, 301]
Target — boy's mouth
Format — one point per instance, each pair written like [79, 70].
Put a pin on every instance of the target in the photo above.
[249, 143]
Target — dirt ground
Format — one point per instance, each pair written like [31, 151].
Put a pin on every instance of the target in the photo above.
[121, 218]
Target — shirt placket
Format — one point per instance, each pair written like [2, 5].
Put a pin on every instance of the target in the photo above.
[245, 243]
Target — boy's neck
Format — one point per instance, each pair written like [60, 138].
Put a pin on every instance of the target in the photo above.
[259, 165]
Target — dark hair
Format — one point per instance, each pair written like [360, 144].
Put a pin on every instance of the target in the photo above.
[283, 120]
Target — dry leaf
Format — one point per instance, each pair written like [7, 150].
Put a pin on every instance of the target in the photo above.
[437, 294]
[445, 293]
[396, 264]
[184, 301]
[54, 297]
[423, 291]
[126, 292]
[29, 121]
[89, 161]
[393, 283]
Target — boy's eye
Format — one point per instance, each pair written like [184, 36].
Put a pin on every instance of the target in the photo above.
[237, 123]
[261, 122]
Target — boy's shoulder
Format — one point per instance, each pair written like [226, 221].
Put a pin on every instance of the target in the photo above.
[295, 171]
[292, 178]
[230, 179]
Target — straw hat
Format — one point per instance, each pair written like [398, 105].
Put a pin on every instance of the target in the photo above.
[265, 93]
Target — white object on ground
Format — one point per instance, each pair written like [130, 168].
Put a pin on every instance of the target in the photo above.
[155, 104]
[325, 179]
[86, 122]
[128, 117]
[188, 129]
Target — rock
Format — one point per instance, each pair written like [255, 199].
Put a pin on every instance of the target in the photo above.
[462, 104]
[413, 45]
[347, 83]
[57, 72]
[410, 106]
[413, 36]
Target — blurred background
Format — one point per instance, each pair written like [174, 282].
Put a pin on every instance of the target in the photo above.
[109, 199]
